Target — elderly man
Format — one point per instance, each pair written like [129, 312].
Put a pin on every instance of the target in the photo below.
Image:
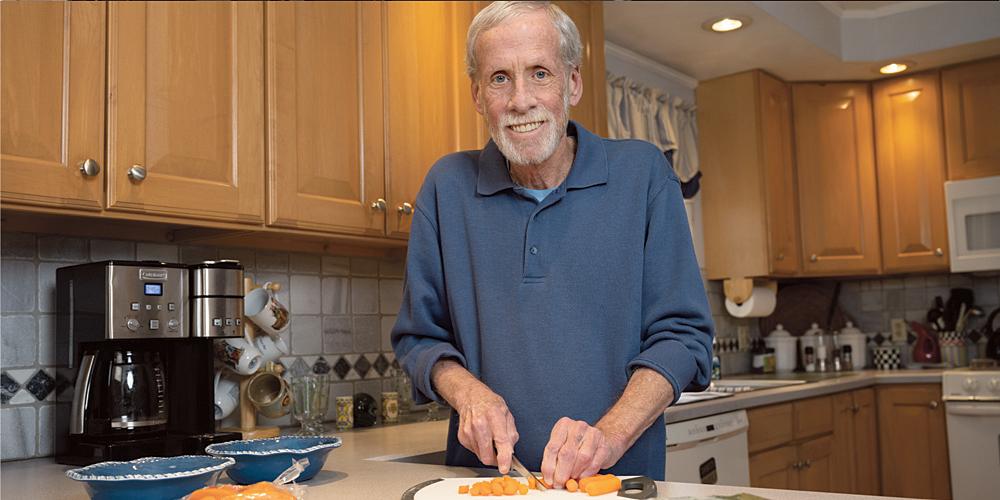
[552, 295]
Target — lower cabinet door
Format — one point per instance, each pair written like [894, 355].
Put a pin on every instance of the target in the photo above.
[774, 469]
[816, 464]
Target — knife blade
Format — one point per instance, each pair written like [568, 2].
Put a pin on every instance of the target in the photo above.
[523, 471]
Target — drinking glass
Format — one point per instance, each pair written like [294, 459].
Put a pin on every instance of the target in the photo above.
[311, 398]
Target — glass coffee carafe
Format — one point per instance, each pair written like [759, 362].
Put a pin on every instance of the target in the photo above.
[136, 390]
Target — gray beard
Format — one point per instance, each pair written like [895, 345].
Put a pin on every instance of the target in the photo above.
[545, 145]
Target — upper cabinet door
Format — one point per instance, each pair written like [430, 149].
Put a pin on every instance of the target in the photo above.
[836, 178]
[324, 88]
[971, 109]
[429, 110]
[186, 100]
[910, 159]
[52, 81]
[779, 173]
[592, 110]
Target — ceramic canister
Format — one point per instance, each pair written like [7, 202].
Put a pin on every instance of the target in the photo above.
[858, 341]
[784, 348]
[345, 412]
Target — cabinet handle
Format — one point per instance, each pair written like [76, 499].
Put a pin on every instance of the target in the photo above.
[813, 258]
[807, 464]
[405, 208]
[855, 408]
[379, 205]
[939, 252]
[781, 256]
[137, 173]
[90, 168]
[933, 405]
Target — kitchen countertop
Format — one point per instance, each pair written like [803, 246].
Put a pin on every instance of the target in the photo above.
[350, 473]
[818, 384]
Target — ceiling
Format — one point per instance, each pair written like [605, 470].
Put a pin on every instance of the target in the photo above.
[809, 40]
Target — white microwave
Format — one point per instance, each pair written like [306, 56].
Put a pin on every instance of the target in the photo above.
[973, 207]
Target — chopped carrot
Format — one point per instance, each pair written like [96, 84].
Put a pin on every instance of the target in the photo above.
[571, 485]
[531, 482]
[463, 489]
[522, 489]
[497, 488]
[604, 484]
[510, 488]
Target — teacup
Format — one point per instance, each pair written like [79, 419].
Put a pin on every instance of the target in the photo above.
[270, 347]
[239, 355]
[265, 311]
[270, 394]
[227, 395]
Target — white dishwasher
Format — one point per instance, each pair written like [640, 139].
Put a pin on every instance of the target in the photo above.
[709, 450]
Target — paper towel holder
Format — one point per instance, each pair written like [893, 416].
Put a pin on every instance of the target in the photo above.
[738, 290]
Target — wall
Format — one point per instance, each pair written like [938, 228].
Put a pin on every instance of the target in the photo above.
[342, 310]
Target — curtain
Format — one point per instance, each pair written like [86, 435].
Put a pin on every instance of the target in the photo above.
[639, 112]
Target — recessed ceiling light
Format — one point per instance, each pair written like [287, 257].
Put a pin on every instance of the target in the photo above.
[895, 67]
[726, 24]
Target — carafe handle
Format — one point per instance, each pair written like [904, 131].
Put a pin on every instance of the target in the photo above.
[81, 394]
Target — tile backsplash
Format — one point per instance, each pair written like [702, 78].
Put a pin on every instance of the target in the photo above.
[342, 310]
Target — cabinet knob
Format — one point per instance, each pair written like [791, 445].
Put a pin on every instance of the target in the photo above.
[405, 208]
[855, 408]
[379, 205]
[933, 405]
[939, 252]
[797, 465]
[813, 258]
[781, 256]
[807, 464]
[137, 173]
[90, 168]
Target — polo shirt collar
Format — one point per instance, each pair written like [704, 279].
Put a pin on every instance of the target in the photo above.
[590, 166]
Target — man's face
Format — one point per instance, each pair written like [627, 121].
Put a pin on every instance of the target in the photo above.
[523, 88]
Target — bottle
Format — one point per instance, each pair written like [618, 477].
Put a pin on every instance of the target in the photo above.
[769, 360]
[836, 360]
[846, 361]
[716, 361]
[810, 359]
[758, 352]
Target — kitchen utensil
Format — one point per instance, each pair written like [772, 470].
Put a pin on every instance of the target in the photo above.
[310, 401]
[525, 473]
[265, 459]
[958, 297]
[926, 349]
[636, 487]
[992, 336]
[935, 316]
[151, 478]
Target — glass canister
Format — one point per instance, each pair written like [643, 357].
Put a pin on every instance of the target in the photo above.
[390, 407]
[345, 412]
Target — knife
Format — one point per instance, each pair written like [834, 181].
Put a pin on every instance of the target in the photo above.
[523, 471]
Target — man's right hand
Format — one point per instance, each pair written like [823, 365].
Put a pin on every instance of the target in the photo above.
[485, 425]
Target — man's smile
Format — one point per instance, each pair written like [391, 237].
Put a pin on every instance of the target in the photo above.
[525, 127]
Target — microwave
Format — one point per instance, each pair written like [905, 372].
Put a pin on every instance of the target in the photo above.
[973, 208]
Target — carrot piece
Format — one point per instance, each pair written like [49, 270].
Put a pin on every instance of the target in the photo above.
[463, 489]
[497, 489]
[510, 488]
[531, 482]
[522, 489]
[572, 485]
[584, 480]
[603, 484]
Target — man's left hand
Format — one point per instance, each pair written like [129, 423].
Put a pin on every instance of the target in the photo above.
[576, 449]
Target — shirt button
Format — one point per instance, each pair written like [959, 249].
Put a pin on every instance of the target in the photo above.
[533, 250]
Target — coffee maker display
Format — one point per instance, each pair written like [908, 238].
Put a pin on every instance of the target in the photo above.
[143, 373]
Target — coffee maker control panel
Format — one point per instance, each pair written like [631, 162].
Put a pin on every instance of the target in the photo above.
[146, 301]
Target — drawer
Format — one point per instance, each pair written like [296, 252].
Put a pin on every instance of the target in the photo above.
[813, 416]
[770, 426]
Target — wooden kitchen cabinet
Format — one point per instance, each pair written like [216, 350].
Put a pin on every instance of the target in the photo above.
[911, 173]
[429, 107]
[52, 81]
[837, 199]
[325, 158]
[775, 469]
[854, 460]
[186, 109]
[747, 156]
[971, 101]
[592, 110]
[791, 445]
[913, 442]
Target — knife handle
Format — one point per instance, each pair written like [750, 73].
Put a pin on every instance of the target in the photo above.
[638, 487]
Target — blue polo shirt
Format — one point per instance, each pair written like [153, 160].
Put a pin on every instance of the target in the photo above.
[553, 304]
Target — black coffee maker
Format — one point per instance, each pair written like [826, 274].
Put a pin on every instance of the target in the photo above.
[142, 381]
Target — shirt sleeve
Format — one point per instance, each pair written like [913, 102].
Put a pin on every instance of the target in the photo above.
[422, 334]
[677, 322]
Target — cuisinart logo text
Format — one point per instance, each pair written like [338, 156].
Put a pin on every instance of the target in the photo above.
[152, 274]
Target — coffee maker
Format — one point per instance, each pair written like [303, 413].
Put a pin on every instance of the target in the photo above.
[143, 373]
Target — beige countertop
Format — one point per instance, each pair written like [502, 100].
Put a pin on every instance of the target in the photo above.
[350, 473]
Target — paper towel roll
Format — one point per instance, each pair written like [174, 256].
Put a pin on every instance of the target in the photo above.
[761, 303]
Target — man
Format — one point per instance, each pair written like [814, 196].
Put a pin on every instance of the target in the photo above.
[552, 295]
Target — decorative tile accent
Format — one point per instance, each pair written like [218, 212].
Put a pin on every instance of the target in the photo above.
[299, 368]
[19, 286]
[321, 366]
[879, 339]
[41, 385]
[341, 367]
[351, 359]
[64, 383]
[362, 366]
[974, 336]
[381, 365]
[8, 388]
[22, 377]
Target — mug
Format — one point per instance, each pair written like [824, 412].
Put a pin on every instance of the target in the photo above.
[271, 348]
[227, 395]
[239, 355]
[269, 393]
[265, 311]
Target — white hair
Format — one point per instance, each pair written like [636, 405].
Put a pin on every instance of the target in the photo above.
[570, 47]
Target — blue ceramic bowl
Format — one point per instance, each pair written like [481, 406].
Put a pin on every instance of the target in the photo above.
[152, 478]
[264, 459]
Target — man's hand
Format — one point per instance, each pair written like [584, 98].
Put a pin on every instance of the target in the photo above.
[485, 425]
[577, 449]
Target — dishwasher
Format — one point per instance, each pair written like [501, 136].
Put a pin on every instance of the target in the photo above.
[709, 450]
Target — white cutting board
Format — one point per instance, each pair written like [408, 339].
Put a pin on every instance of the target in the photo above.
[447, 489]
